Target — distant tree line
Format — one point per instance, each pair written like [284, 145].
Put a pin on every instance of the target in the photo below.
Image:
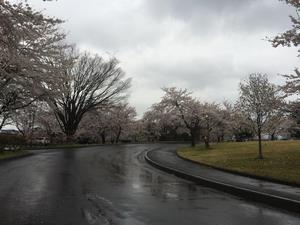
[260, 110]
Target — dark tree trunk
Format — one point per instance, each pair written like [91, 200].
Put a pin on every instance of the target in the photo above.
[103, 137]
[206, 142]
[193, 143]
[118, 135]
[260, 155]
[70, 124]
[70, 132]
[193, 138]
[50, 139]
[273, 136]
[4, 118]
[222, 136]
[207, 137]
[70, 138]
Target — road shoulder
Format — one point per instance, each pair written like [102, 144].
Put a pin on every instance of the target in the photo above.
[282, 196]
[15, 156]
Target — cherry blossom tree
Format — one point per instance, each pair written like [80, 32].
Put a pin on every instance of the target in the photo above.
[212, 121]
[178, 111]
[226, 122]
[239, 127]
[46, 121]
[151, 125]
[25, 121]
[161, 123]
[259, 100]
[35, 120]
[111, 123]
[121, 118]
[278, 124]
[31, 46]
[137, 131]
[95, 124]
[289, 38]
[181, 103]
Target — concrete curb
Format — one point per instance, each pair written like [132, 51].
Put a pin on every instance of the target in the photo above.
[269, 179]
[277, 201]
[16, 157]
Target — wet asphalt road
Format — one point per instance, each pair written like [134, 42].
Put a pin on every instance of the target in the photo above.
[114, 185]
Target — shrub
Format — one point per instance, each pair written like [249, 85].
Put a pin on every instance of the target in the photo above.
[11, 141]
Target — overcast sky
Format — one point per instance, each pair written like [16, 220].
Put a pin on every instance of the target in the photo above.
[206, 46]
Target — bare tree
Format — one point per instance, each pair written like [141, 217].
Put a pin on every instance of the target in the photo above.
[91, 82]
[31, 46]
[259, 100]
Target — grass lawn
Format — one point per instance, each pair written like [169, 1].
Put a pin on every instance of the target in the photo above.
[281, 162]
[9, 154]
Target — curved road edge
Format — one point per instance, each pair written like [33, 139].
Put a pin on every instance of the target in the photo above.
[277, 201]
[244, 174]
[16, 157]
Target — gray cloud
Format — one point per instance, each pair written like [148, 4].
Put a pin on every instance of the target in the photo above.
[229, 15]
[204, 45]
